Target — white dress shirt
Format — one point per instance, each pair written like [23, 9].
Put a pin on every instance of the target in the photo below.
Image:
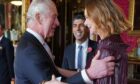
[84, 55]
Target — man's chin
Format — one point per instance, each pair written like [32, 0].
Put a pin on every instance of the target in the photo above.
[48, 39]
[51, 35]
[78, 38]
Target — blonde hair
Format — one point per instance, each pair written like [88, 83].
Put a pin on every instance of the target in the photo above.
[106, 14]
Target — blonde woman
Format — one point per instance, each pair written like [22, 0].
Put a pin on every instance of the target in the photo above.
[104, 18]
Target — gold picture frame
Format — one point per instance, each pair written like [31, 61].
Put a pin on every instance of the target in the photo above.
[25, 5]
[132, 17]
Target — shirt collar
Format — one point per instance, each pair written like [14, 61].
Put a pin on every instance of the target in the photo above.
[84, 44]
[39, 37]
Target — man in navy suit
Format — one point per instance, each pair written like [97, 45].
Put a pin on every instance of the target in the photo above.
[6, 58]
[81, 34]
[34, 62]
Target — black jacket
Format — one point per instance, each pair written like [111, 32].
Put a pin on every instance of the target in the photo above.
[6, 61]
[33, 64]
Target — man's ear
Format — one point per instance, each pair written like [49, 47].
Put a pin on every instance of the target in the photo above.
[38, 18]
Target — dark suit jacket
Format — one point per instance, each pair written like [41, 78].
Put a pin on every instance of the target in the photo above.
[33, 64]
[69, 55]
[6, 61]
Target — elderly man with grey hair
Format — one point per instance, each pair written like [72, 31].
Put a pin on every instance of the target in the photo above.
[34, 62]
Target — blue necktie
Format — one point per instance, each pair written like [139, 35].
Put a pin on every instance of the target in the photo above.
[80, 57]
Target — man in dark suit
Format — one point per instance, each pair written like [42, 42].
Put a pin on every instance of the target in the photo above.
[81, 34]
[34, 62]
[6, 58]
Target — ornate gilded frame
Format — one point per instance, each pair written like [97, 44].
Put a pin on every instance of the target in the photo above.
[131, 17]
[25, 5]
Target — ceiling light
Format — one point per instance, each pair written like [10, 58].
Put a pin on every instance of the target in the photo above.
[17, 3]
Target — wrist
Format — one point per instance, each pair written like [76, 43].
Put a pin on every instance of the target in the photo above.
[85, 77]
[88, 71]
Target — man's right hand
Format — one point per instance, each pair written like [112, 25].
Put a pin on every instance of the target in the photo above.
[54, 81]
[101, 68]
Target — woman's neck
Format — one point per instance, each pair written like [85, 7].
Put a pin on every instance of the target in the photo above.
[104, 34]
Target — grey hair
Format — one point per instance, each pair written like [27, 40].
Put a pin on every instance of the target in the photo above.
[38, 6]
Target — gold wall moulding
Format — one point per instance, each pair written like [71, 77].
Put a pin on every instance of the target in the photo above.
[132, 17]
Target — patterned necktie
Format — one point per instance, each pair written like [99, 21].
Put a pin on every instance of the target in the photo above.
[80, 57]
[48, 51]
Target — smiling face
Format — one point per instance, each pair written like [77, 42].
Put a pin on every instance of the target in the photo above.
[90, 24]
[49, 25]
[50, 22]
[95, 25]
[80, 31]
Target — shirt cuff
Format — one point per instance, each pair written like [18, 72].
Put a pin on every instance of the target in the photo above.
[85, 77]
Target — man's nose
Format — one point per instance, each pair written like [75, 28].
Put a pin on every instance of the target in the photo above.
[78, 27]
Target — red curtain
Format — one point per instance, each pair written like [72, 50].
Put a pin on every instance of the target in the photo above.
[124, 5]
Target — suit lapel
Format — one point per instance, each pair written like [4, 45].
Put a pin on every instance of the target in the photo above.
[72, 59]
[3, 39]
[40, 46]
[91, 49]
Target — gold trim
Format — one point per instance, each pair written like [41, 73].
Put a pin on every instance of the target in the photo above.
[25, 6]
[131, 17]
[131, 13]
[135, 32]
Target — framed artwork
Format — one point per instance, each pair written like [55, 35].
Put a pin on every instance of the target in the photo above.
[134, 18]
[131, 9]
